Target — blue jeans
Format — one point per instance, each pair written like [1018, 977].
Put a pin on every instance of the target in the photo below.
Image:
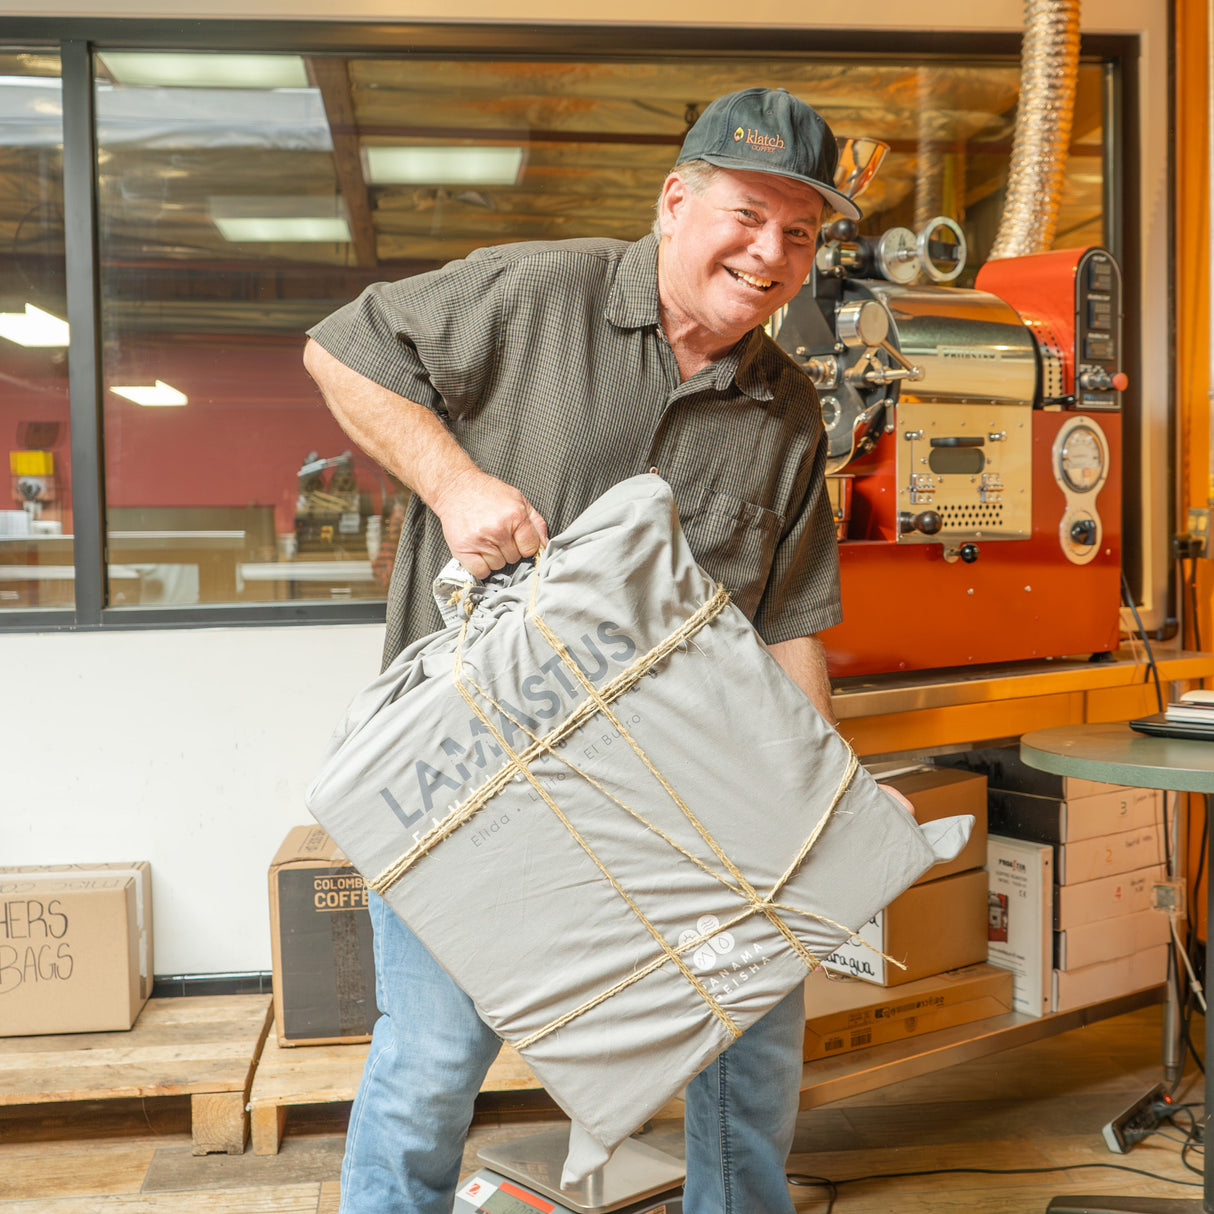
[430, 1052]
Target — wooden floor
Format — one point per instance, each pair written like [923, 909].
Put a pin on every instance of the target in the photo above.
[1041, 1105]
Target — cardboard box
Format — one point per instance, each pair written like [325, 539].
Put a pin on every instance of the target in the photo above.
[75, 947]
[320, 933]
[1020, 927]
[941, 792]
[844, 1014]
[1052, 820]
[1123, 976]
[1108, 939]
[936, 926]
[1106, 898]
[1003, 769]
[1107, 855]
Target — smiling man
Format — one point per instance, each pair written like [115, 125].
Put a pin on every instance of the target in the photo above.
[510, 389]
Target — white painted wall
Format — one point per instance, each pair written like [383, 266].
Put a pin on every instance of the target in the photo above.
[192, 748]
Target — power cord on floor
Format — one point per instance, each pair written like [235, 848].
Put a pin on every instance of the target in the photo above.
[832, 1187]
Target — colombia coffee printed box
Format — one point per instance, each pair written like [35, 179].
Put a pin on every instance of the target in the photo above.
[320, 933]
[75, 947]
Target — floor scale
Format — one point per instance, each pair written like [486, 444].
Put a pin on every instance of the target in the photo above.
[524, 1177]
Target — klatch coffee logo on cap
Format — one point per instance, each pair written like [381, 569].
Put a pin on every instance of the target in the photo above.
[739, 135]
[765, 143]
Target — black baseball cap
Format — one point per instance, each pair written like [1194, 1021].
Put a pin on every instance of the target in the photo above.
[769, 131]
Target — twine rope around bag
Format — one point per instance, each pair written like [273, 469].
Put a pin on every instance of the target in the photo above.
[767, 904]
[669, 953]
[598, 702]
[559, 648]
[584, 712]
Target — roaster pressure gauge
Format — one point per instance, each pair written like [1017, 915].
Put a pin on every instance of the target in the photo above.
[1081, 459]
[1081, 466]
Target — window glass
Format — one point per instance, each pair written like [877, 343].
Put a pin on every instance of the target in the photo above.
[244, 197]
[36, 508]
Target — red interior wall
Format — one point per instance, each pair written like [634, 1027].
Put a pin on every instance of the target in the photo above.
[252, 418]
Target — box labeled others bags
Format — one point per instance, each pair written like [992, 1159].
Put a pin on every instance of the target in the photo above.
[942, 792]
[934, 926]
[1020, 930]
[843, 1014]
[605, 773]
[75, 947]
[320, 934]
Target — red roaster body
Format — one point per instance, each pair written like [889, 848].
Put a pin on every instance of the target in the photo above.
[925, 605]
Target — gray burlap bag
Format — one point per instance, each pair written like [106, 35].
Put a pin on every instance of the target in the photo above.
[612, 817]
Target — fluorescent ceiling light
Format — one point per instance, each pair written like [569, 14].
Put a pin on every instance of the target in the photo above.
[272, 229]
[300, 218]
[34, 327]
[443, 166]
[37, 82]
[159, 393]
[206, 71]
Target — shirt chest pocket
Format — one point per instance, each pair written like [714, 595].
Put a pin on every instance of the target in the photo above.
[734, 541]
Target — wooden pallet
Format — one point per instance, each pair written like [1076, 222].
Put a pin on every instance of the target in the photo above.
[205, 1047]
[321, 1074]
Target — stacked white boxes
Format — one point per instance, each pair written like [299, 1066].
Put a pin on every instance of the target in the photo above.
[1105, 845]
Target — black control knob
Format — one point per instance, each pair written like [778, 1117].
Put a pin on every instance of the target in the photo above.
[841, 229]
[1097, 379]
[968, 553]
[1084, 532]
[927, 522]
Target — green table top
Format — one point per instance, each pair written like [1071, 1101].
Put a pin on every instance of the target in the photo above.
[1115, 754]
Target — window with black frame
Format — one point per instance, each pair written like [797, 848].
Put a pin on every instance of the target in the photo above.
[36, 552]
[242, 197]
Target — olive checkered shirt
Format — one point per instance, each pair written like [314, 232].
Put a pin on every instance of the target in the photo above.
[548, 362]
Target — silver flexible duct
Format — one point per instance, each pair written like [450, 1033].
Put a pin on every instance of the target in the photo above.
[929, 149]
[1048, 73]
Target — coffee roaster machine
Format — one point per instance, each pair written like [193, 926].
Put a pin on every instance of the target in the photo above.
[974, 447]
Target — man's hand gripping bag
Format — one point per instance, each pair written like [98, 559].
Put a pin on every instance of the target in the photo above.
[612, 817]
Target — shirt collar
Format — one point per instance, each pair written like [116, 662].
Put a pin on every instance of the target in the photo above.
[633, 304]
[744, 365]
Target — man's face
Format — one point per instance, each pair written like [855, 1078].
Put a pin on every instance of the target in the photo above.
[735, 253]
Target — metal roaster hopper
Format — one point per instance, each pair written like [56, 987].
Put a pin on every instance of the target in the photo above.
[974, 447]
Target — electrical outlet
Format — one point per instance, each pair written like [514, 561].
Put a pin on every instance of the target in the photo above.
[1199, 530]
[1169, 896]
[1143, 1117]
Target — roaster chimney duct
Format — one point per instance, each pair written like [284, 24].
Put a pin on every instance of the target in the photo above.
[1048, 74]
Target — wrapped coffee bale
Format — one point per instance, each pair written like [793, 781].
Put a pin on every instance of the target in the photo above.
[612, 817]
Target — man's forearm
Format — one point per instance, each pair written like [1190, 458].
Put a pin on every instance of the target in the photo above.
[487, 523]
[804, 661]
[398, 433]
